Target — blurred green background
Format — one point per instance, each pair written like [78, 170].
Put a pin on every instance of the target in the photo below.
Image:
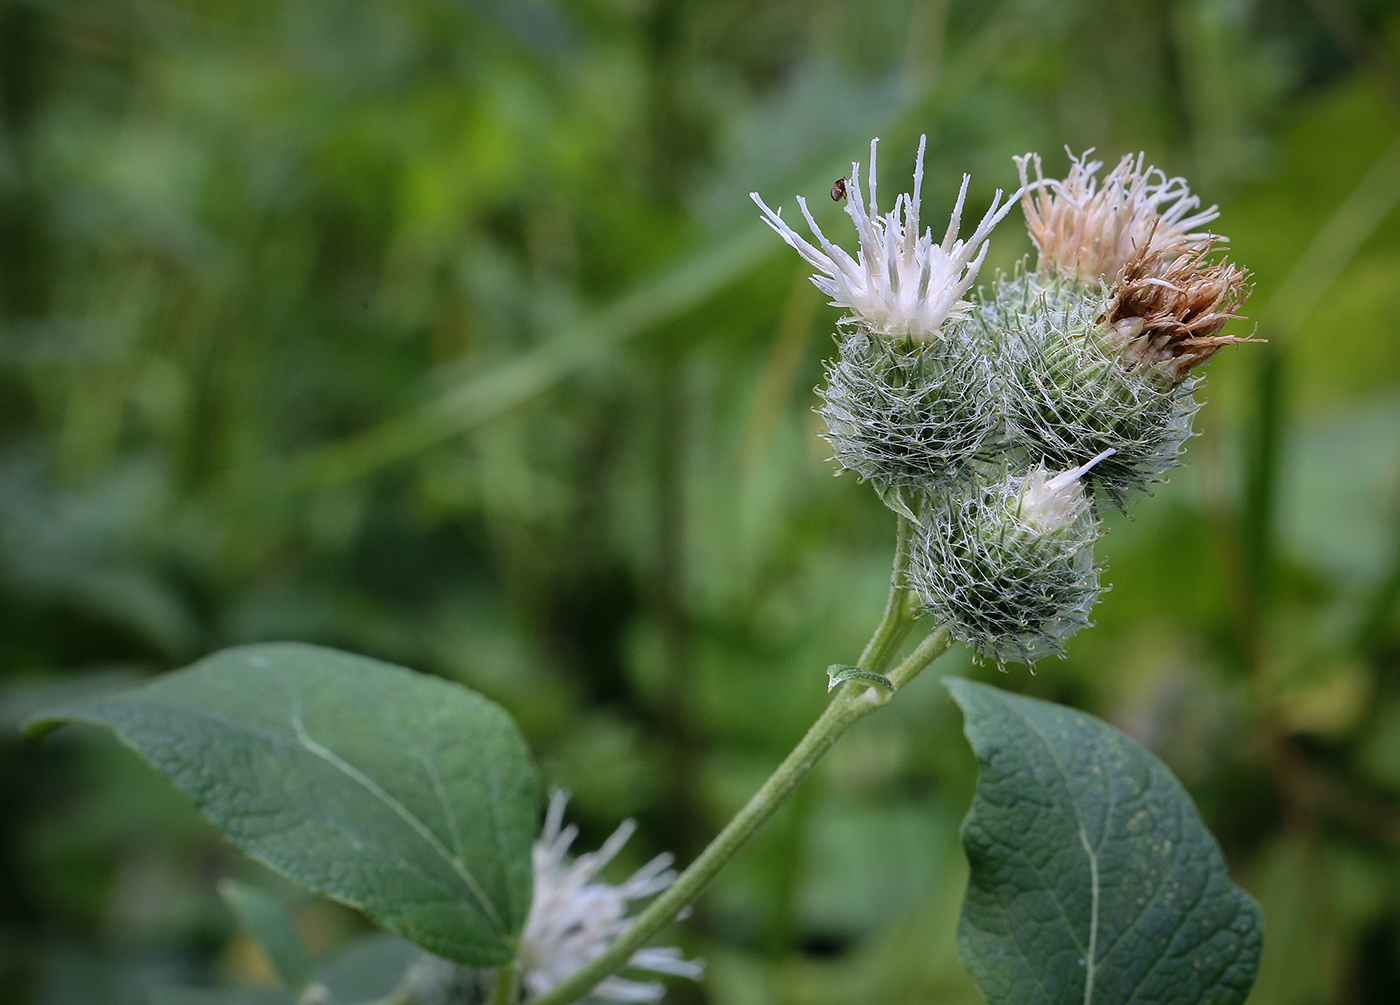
[444, 331]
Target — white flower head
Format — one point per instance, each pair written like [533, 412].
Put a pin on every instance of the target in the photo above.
[1089, 232]
[575, 916]
[1051, 503]
[900, 283]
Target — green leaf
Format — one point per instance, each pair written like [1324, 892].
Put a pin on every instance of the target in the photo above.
[1093, 880]
[404, 795]
[274, 930]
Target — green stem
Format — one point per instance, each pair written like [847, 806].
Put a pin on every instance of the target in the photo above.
[504, 991]
[852, 702]
[932, 647]
[898, 616]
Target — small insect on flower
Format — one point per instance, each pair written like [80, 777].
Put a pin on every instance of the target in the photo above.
[900, 284]
[838, 190]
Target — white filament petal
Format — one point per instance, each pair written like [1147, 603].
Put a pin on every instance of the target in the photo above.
[574, 916]
[1090, 231]
[1051, 503]
[900, 283]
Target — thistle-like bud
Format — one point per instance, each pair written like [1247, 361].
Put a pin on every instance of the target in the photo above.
[574, 916]
[1090, 233]
[1067, 390]
[1009, 565]
[909, 417]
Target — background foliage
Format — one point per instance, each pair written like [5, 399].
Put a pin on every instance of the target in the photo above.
[444, 331]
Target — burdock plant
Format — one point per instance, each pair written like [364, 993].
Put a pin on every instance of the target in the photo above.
[995, 422]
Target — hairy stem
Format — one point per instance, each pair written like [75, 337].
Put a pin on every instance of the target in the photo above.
[898, 617]
[853, 701]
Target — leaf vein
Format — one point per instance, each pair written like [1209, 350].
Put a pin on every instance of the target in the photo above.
[402, 811]
[1090, 962]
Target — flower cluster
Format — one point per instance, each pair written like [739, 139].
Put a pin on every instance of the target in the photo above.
[998, 420]
[574, 915]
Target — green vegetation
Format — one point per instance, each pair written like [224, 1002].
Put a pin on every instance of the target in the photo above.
[445, 332]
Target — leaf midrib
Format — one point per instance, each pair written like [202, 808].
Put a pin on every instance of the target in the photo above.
[1090, 963]
[405, 814]
[299, 740]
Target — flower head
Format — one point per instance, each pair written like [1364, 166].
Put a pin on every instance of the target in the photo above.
[1090, 232]
[909, 416]
[900, 283]
[1168, 309]
[1052, 502]
[1007, 563]
[574, 916]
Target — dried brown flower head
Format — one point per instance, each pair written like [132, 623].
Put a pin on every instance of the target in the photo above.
[1090, 232]
[1168, 308]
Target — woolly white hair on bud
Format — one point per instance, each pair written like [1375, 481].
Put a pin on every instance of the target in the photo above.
[1087, 232]
[1051, 503]
[901, 284]
[909, 416]
[574, 916]
[1008, 588]
[1067, 393]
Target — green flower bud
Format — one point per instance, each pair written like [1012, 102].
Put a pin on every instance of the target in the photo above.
[1009, 565]
[1069, 390]
[909, 416]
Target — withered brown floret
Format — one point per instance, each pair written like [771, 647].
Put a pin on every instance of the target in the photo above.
[1168, 308]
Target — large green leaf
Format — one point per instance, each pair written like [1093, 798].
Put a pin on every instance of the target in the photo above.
[402, 794]
[1093, 880]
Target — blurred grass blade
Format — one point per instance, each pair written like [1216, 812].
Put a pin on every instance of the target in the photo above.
[485, 396]
[274, 929]
[683, 287]
[1336, 244]
[1259, 523]
[221, 996]
[1379, 607]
